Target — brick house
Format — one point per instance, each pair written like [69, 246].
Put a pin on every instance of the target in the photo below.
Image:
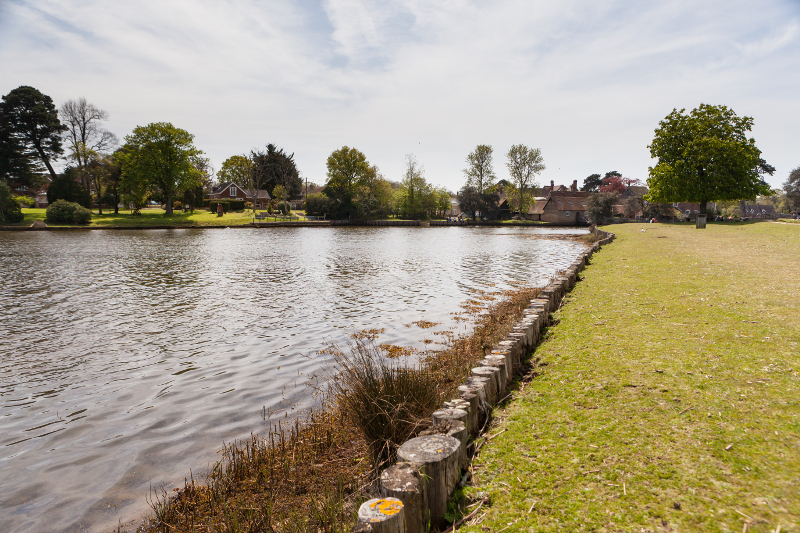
[562, 206]
[231, 191]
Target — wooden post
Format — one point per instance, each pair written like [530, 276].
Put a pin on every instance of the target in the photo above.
[493, 373]
[470, 395]
[439, 457]
[404, 482]
[494, 361]
[458, 415]
[385, 515]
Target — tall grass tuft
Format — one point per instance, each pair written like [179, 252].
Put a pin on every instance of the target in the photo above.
[388, 401]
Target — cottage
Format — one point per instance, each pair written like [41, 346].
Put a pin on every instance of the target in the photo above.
[232, 191]
[562, 206]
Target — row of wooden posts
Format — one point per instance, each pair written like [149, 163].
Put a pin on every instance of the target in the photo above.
[415, 491]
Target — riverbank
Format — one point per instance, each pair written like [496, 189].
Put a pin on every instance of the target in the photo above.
[201, 218]
[668, 394]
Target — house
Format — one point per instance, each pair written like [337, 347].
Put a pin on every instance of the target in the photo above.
[562, 206]
[757, 210]
[231, 191]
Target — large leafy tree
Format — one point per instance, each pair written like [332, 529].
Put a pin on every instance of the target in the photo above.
[704, 156]
[524, 164]
[236, 169]
[414, 189]
[592, 183]
[347, 170]
[470, 201]
[31, 128]
[162, 157]
[792, 190]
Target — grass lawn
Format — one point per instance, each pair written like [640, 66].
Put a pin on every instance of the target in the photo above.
[669, 392]
[152, 217]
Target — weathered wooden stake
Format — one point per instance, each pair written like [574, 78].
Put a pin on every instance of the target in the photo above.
[405, 482]
[439, 457]
[384, 515]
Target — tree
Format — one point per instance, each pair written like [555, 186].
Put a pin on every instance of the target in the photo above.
[68, 187]
[592, 183]
[84, 135]
[414, 189]
[18, 166]
[632, 206]
[347, 168]
[600, 206]
[373, 195]
[658, 211]
[470, 201]
[705, 156]
[616, 183]
[236, 169]
[317, 204]
[272, 167]
[161, 157]
[792, 190]
[30, 119]
[524, 164]
[480, 170]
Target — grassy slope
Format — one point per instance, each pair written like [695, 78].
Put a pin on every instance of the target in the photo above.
[678, 344]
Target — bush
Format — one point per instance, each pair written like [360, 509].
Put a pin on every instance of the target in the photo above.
[237, 205]
[206, 202]
[10, 210]
[248, 205]
[600, 206]
[63, 212]
[318, 204]
[388, 402]
[25, 201]
[177, 204]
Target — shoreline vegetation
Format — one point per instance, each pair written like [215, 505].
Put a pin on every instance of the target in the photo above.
[668, 395]
[312, 474]
[200, 218]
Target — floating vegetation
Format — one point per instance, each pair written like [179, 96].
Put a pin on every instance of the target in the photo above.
[393, 351]
[367, 334]
[424, 324]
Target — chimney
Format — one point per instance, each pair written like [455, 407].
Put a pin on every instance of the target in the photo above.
[552, 184]
[574, 187]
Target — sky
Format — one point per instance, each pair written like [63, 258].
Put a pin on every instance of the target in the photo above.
[586, 82]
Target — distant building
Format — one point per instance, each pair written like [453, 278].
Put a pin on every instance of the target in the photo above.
[757, 210]
[232, 191]
[560, 205]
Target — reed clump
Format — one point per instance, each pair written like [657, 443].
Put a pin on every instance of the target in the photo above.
[388, 400]
[312, 474]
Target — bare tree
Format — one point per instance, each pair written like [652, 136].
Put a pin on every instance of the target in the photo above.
[84, 135]
[523, 165]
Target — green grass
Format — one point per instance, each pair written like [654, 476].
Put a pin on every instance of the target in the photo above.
[151, 217]
[669, 393]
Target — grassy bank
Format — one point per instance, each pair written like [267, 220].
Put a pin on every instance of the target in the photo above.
[669, 394]
[152, 217]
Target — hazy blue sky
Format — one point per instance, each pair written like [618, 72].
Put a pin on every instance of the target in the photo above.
[587, 82]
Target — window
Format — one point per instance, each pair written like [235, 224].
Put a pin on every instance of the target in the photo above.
[233, 192]
[566, 213]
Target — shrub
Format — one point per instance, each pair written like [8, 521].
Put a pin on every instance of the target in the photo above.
[63, 212]
[10, 210]
[25, 201]
[387, 401]
[600, 206]
[318, 204]
[248, 205]
[236, 205]
[177, 204]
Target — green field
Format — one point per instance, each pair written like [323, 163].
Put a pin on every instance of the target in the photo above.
[152, 217]
[669, 392]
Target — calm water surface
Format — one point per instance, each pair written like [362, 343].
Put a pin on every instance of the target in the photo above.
[128, 357]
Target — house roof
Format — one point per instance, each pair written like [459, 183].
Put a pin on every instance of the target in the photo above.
[569, 203]
[222, 187]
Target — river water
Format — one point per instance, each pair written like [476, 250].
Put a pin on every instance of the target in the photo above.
[128, 357]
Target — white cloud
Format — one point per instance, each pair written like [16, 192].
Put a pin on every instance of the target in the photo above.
[585, 81]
